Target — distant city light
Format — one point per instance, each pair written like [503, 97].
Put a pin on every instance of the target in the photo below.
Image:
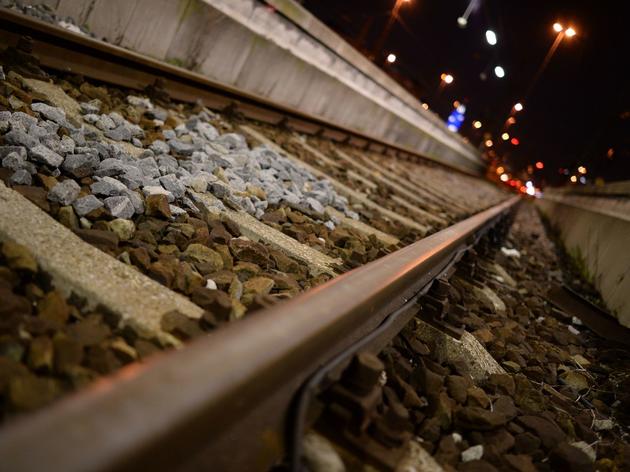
[570, 32]
[518, 106]
[504, 177]
[515, 141]
[391, 58]
[425, 106]
[610, 153]
[540, 165]
[531, 191]
[477, 124]
[582, 170]
[491, 37]
[582, 180]
[505, 136]
[488, 143]
[499, 72]
[462, 22]
[511, 120]
[500, 170]
[557, 27]
[573, 179]
[447, 78]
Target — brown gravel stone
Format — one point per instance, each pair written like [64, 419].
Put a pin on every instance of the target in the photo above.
[215, 301]
[548, 432]
[18, 257]
[104, 240]
[89, 331]
[140, 257]
[41, 354]
[180, 325]
[520, 463]
[568, 458]
[54, 308]
[36, 195]
[157, 205]
[28, 392]
[205, 258]
[526, 443]
[476, 466]
[476, 418]
[68, 352]
[249, 251]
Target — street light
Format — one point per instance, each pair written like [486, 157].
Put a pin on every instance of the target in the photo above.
[570, 32]
[477, 124]
[447, 78]
[557, 27]
[491, 37]
[499, 72]
[518, 107]
[505, 136]
[390, 22]
[391, 58]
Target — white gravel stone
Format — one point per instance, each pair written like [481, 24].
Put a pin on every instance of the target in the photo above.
[85, 205]
[46, 156]
[211, 284]
[159, 147]
[80, 165]
[177, 211]
[91, 107]
[120, 207]
[472, 453]
[19, 137]
[50, 113]
[65, 192]
[110, 167]
[232, 141]
[158, 190]
[173, 185]
[180, 147]
[108, 187]
[14, 161]
[21, 177]
[139, 102]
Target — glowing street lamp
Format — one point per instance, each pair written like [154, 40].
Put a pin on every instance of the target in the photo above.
[447, 78]
[476, 124]
[539, 165]
[582, 170]
[391, 58]
[504, 177]
[557, 27]
[491, 37]
[573, 179]
[518, 106]
[488, 143]
[505, 136]
[570, 32]
[499, 72]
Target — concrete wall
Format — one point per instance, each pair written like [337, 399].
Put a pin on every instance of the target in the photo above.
[596, 229]
[246, 44]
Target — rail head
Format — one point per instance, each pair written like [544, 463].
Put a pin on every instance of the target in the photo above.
[235, 384]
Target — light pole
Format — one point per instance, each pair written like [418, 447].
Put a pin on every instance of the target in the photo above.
[390, 22]
[562, 33]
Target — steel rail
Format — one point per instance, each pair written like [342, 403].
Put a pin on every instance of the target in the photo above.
[223, 402]
[66, 51]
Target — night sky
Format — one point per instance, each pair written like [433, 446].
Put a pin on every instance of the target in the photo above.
[574, 114]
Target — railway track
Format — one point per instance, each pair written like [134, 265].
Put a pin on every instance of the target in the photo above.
[238, 204]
